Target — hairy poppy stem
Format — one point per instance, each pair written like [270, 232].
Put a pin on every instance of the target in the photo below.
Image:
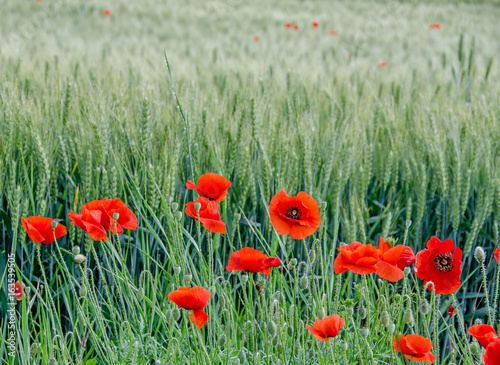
[485, 285]
[495, 297]
[462, 327]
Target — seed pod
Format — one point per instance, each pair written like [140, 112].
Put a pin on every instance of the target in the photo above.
[27, 290]
[344, 346]
[116, 216]
[75, 250]
[83, 291]
[304, 282]
[362, 312]
[177, 270]
[79, 259]
[197, 206]
[54, 224]
[479, 254]
[174, 206]
[385, 318]
[391, 327]
[293, 262]
[364, 332]
[188, 278]
[176, 314]
[244, 279]
[222, 340]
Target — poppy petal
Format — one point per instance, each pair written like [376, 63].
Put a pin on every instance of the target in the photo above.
[389, 272]
[199, 318]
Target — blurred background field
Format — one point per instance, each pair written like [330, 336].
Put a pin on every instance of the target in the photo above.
[87, 112]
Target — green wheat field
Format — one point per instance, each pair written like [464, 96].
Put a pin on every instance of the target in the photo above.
[387, 113]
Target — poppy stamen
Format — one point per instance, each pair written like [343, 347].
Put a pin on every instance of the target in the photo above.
[294, 213]
[444, 262]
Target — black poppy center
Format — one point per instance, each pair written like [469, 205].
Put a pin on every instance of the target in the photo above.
[444, 262]
[294, 213]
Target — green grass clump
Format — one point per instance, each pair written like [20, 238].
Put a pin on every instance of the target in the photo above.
[88, 111]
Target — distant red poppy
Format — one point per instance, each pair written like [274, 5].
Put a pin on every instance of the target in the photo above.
[451, 311]
[435, 26]
[40, 229]
[484, 334]
[210, 185]
[497, 254]
[294, 215]
[492, 354]
[256, 39]
[357, 257]
[394, 260]
[414, 347]
[438, 264]
[39, 1]
[332, 32]
[326, 328]
[315, 24]
[106, 12]
[296, 27]
[97, 217]
[251, 260]
[193, 299]
[209, 214]
[382, 64]
[18, 291]
[288, 25]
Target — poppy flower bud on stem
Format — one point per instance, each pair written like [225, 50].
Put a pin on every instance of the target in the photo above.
[407, 271]
[237, 217]
[324, 205]
[177, 270]
[212, 290]
[321, 313]
[176, 314]
[54, 224]
[312, 256]
[222, 340]
[274, 341]
[384, 318]
[272, 328]
[408, 223]
[188, 278]
[364, 332]
[79, 259]
[83, 291]
[344, 346]
[169, 199]
[362, 312]
[75, 250]
[293, 262]
[116, 216]
[244, 279]
[349, 311]
[391, 327]
[424, 307]
[304, 282]
[479, 254]
[27, 290]
[178, 216]
[140, 294]
[408, 317]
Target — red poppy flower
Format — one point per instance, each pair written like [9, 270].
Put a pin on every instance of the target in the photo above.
[332, 32]
[435, 26]
[193, 299]
[106, 12]
[97, 217]
[210, 185]
[40, 229]
[18, 291]
[249, 259]
[484, 334]
[296, 27]
[327, 327]
[497, 254]
[294, 215]
[492, 354]
[315, 24]
[438, 264]
[39, 1]
[357, 257]
[451, 311]
[382, 64]
[209, 214]
[256, 39]
[288, 25]
[394, 260]
[414, 347]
